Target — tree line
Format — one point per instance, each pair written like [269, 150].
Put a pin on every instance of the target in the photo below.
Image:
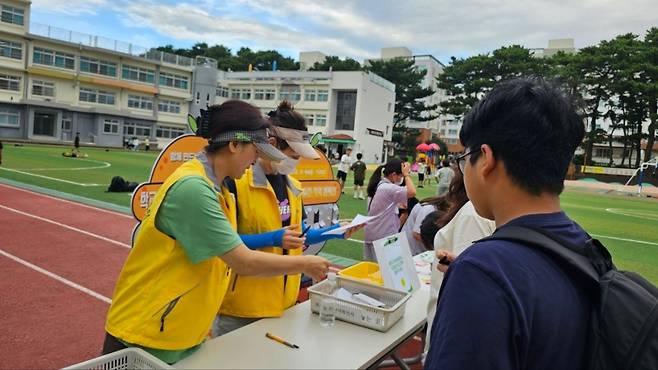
[615, 80]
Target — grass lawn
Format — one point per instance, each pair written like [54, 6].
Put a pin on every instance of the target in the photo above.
[626, 225]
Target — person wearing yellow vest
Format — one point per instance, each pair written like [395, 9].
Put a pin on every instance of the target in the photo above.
[177, 273]
[270, 218]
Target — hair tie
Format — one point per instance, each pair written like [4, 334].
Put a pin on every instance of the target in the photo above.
[271, 113]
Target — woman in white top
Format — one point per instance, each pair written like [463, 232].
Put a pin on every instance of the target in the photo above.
[462, 227]
[418, 213]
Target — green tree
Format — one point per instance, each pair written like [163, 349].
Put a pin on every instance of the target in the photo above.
[334, 63]
[409, 92]
[466, 80]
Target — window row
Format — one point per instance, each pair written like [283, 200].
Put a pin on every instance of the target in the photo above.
[59, 59]
[9, 82]
[169, 132]
[316, 119]
[293, 95]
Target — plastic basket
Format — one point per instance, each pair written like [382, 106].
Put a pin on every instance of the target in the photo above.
[128, 358]
[378, 318]
[364, 271]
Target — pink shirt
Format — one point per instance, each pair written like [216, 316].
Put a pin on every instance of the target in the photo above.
[388, 224]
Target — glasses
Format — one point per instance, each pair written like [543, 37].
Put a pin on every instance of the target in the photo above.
[461, 160]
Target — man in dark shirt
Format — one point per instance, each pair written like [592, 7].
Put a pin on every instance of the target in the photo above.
[505, 305]
[359, 168]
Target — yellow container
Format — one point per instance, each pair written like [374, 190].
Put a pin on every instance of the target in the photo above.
[364, 271]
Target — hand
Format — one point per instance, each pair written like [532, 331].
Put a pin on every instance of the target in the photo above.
[291, 239]
[444, 255]
[405, 169]
[316, 267]
[348, 234]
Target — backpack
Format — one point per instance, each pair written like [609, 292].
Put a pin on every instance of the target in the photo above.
[623, 327]
[117, 184]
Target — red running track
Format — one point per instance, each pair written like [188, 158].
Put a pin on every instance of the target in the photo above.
[58, 262]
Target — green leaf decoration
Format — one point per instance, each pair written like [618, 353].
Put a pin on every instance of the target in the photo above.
[191, 122]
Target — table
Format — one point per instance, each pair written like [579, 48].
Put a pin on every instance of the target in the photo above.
[343, 346]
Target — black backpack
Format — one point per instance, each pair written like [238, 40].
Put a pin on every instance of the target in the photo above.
[118, 184]
[623, 327]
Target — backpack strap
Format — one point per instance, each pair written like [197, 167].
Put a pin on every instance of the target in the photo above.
[590, 265]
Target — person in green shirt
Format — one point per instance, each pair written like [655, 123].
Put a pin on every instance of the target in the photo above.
[188, 223]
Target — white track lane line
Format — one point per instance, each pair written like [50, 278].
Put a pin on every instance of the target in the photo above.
[70, 202]
[57, 277]
[49, 178]
[67, 227]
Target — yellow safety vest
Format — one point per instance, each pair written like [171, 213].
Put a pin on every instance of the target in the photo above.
[161, 299]
[258, 212]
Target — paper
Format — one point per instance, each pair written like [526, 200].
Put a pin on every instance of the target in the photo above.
[360, 298]
[396, 264]
[356, 221]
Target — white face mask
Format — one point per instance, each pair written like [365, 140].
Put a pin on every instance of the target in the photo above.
[286, 166]
[399, 182]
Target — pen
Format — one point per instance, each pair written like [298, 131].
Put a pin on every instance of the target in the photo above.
[305, 231]
[280, 340]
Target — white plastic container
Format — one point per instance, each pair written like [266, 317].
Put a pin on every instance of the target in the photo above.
[378, 318]
[128, 358]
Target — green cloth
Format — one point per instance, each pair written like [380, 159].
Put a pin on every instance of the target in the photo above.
[191, 214]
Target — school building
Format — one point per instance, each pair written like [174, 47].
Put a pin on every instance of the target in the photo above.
[56, 82]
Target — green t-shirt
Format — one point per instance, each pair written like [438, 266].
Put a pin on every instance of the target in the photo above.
[191, 214]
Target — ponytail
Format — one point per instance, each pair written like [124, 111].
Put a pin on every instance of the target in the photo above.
[375, 178]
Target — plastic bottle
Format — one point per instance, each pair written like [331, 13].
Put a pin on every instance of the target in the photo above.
[328, 304]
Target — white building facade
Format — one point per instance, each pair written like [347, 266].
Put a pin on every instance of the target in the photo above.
[350, 109]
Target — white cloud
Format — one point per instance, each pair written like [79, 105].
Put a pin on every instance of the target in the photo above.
[70, 7]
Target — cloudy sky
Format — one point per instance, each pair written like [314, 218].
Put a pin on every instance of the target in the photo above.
[353, 28]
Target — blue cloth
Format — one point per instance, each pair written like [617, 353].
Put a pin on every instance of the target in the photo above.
[274, 238]
[504, 305]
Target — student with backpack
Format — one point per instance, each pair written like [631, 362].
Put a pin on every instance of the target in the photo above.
[509, 303]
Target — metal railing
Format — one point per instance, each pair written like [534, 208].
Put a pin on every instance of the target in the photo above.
[108, 44]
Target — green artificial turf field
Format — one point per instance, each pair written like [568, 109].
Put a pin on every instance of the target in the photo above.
[627, 225]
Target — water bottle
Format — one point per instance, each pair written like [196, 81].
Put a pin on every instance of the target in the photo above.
[328, 304]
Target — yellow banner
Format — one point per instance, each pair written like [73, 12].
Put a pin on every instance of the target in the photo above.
[314, 169]
[320, 192]
[180, 150]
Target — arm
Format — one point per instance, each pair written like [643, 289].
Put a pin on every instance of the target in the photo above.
[247, 262]
[263, 240]
[315, 235]
[409, 183]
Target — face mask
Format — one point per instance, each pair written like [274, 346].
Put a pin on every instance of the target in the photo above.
[399, 182]
[286, 166]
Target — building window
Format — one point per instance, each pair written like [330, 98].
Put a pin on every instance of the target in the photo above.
[602, 152]
[67, 122]
[9, 117]
[136, 129]
[245, 94]
[44, 124]
[169, 132]
[169, 106]
[96, 96]
[323, 95]
[310, 95]
[310, 118]
[389, 107]
[172, 80]
[452, 132]
[10, 49]
[222, 91]
[140, 102]
[11, 83]
[111, 126]
[259, 94]
[270, 94]
[53, 58]
[137, 74]
[13, 15]
[43, 88]
[320, 119]
[235, 93]
[345, 110]
[97, 66]
[293, 95]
